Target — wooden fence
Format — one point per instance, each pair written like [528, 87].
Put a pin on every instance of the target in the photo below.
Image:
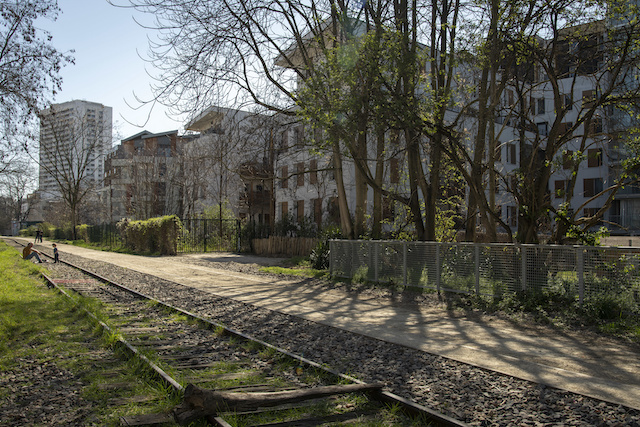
[289, 246]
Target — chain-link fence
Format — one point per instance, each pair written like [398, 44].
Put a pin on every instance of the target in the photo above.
[490, 269]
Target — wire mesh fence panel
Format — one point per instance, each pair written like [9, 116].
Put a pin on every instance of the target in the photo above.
[573, 272]
[611, 270]
[546, 265]
[421, 267]
[388, 261]
[458, 268]
[499, 269]
[552, 270]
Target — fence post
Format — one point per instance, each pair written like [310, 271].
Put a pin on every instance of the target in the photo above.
[477, 265]
[404, 262]
[580, 273]
[438, 267]
[238, 233]
[204, 227]
[331, 250]
[523, 265]
[375, 261]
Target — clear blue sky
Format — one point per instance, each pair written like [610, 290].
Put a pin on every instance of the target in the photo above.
[108, 69]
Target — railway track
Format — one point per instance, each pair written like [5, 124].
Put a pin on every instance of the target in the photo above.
[195, 355]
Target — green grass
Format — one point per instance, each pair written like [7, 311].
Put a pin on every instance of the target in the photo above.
[41, 327]
[296, 266]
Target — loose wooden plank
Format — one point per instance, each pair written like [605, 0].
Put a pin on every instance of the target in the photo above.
[146, 419]
[199, 402]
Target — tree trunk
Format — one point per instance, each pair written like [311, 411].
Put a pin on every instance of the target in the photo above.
[361, 182]
[376, 229]
[343, 207]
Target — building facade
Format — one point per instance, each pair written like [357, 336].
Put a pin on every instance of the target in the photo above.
[75, 138]
[144, 176]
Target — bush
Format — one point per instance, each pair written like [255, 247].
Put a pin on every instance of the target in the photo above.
[154, 235]
[319, 256]
[609, 306]
[82, 233]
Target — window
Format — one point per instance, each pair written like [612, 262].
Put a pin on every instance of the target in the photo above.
[510, 97]
[589, 212]
[564, 127]
[511, 154]
[161, 189]
[164, 151]
[387, 208]
[588, 96]
[540, 104]
[284, 209]
[299, 136]
[560, 188]
[543, 128]
[300, 210]
[567, 102]
[284, 176]
[284, 140]
[300, 174]
[313, 171]
[498, 153]
[334, 210]
[512, 216]
[394, 171]
[594, 126]
[594, 157]
[317, 211]
[394, 136]
[592, 186]
[567, 159]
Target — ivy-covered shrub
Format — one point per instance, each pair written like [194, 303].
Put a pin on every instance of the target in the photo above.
[154, 235]
[82, 233]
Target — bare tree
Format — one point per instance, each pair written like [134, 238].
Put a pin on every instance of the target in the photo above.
[29, 67]
[73, 144]
[15, 184]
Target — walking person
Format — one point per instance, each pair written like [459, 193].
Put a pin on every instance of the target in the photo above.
[28, 252]
[37, 236]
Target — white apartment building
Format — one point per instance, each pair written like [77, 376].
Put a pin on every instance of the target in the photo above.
[229, 161]
[75, 137]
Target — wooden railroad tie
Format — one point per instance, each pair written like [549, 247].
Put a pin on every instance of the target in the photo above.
[199, 402]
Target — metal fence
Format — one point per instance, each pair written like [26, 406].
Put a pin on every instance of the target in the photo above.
[106, 234]
[490, 269]
[209, 235]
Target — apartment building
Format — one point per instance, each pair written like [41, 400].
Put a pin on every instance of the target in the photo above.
[144, 176]
[75, 138]
[587, 168]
